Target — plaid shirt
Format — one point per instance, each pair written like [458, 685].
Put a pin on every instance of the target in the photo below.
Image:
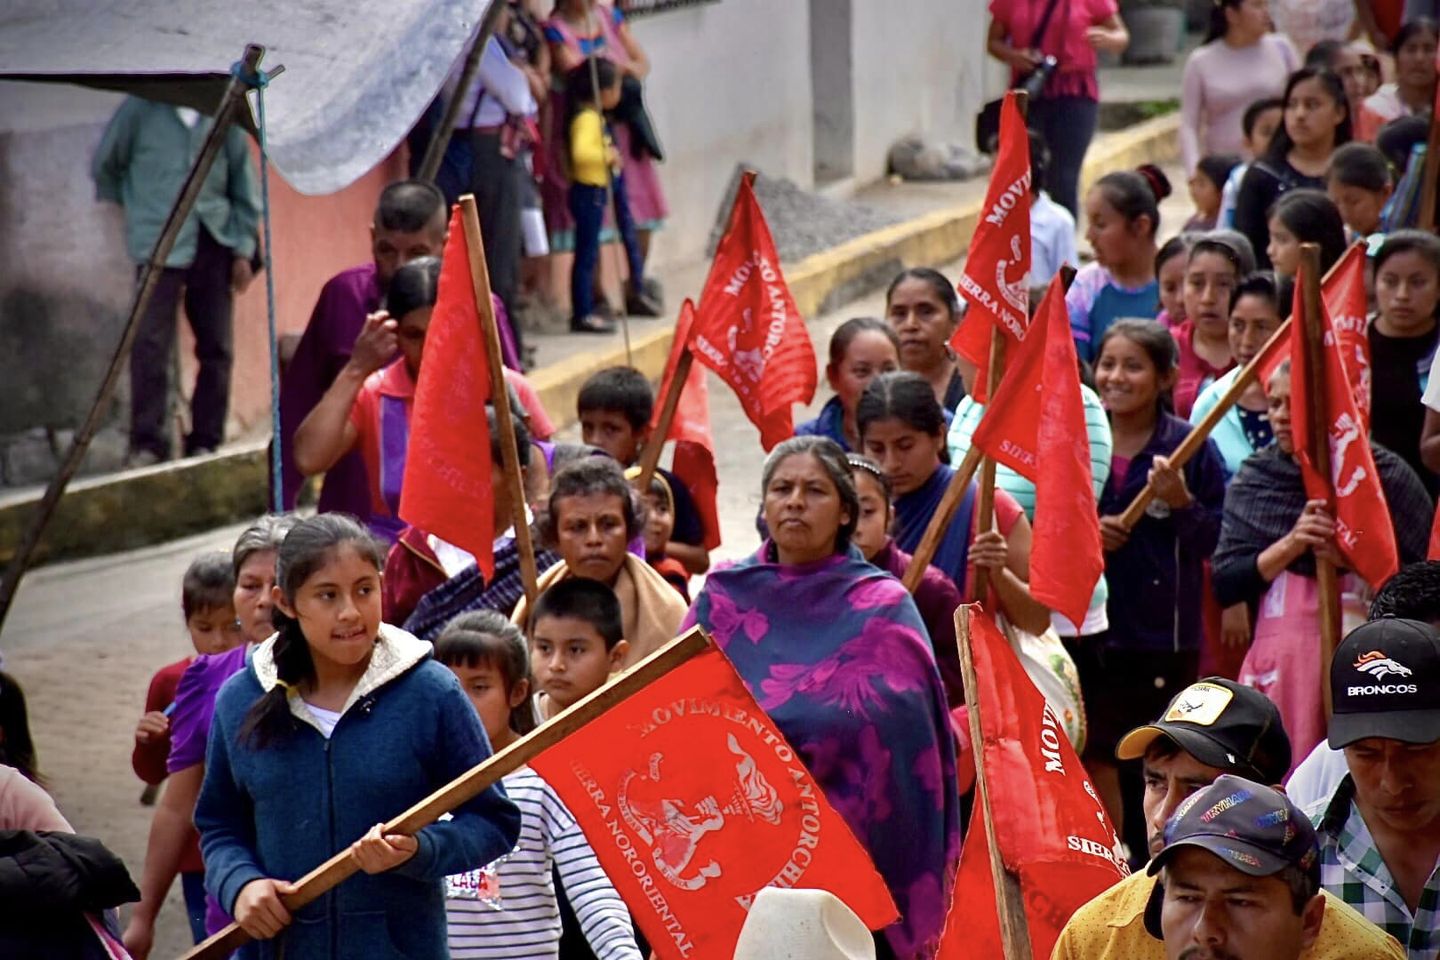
[1352, 869]
[467, 590]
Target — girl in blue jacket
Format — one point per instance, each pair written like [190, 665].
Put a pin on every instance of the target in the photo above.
[338, 723]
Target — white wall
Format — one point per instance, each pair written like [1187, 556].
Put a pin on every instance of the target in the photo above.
[918, 69]
[730, 83]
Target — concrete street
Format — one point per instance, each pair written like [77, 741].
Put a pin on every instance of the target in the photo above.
[85, 637]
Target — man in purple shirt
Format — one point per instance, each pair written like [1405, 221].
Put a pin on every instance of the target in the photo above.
[410, 222]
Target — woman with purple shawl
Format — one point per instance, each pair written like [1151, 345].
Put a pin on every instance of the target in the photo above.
[835, 651]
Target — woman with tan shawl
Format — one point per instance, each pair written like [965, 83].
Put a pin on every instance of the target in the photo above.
[592, 516]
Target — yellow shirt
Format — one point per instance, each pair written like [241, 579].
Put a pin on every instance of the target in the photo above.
[590, 149]
[1112, 927]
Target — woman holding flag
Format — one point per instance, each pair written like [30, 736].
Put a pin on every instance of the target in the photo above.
[835, 651]
[1271, 536]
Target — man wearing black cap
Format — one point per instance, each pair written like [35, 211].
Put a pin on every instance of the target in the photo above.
[1239, 877]
[1379, 831]
[1211, 728]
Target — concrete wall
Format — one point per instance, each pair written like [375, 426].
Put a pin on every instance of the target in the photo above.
[918, 69]
[730, 83]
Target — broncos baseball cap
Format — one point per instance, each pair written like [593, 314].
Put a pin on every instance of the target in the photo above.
[1249, 826]
[1223, 724]
[1385, 682]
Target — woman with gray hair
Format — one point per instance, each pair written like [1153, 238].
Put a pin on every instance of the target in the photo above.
[836, 652]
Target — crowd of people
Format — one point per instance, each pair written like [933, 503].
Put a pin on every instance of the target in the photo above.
[348, 663]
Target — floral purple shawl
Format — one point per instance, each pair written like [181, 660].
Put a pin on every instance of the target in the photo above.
[836, 653]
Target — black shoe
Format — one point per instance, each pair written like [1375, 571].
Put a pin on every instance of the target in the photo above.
[591, 324]
[642, 304]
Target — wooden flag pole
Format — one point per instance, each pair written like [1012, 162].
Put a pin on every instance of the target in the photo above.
[1009, 899]
[1428, 177]
[473, 782]
[500, 396]
[986, 503]
[1319, 438]
[940, 521]
[1197, 436]
[655, 443]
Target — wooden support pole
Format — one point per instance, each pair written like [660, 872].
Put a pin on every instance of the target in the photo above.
[1197, 436]
[940, 520]
[655, 443]
[1009, 899]
[440, 136]
[500, 397]
[986, 503]
[1319, 439]
[231, 101]
[477, 779]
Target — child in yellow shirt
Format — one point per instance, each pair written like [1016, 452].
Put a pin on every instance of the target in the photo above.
[593, 160]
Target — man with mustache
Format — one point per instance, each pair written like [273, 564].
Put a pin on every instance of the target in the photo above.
[1211, 728]
[1239, 877]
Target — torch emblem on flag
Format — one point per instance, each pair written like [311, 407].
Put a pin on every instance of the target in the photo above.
[675, 829]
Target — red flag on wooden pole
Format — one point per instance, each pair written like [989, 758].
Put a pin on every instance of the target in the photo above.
[1036, 426]
[693, 801]
[1364, 533]
[1056, 846]
[997, 266]
[748, 329]
[448, 487]
[689, 427]
[1343, 291]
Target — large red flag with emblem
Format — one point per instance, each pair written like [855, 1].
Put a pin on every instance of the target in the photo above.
[694, 461]
[1363, 530]
[1051, 828]
[748, 329]
[1346, 300]
[1036, 426]
[997, 266]
[693, 801]
[447, 489]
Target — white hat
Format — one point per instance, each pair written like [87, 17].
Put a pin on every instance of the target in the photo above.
[802, 925]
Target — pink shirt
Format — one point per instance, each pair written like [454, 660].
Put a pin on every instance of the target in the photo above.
[1219, 83]
[1064, 38]
[25, 806]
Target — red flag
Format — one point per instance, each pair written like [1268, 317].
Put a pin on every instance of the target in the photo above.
[694, 460]
[447, 489]
[1348, 305]
[1345, 299]
[748, 329]
[1052, 829]
[997, 266]
[1433, 552]
[1036, 426]
[1363, 530]
[693, 802]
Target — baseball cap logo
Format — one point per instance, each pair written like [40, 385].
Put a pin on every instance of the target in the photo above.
[1199, 703]
[1379, 666]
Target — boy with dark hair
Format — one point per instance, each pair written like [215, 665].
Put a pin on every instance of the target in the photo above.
[1358, 180]
[615, 407]
[207, 599]
[576, 642]
[1052, 227]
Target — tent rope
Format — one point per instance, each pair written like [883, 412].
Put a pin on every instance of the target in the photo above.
[258, 81]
